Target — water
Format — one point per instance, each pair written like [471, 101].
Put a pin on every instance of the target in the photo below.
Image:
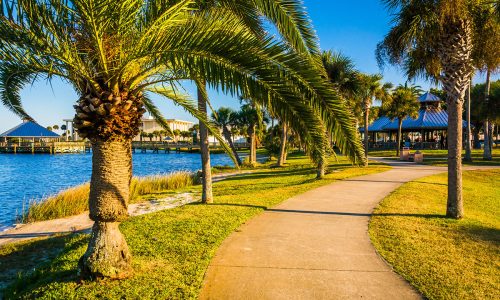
[24, 177]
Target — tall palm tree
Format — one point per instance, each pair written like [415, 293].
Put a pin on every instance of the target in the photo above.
[283, 145]
[225, 118]
[434, 39]
[116, 53]
[486, 54]
[370, 88]
[342, 74]
[401, 104]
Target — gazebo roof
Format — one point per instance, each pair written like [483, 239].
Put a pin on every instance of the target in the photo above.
[428, 119]
[428, 97]
[29, 129]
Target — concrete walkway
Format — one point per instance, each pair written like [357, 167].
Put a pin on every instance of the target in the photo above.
[314, 246]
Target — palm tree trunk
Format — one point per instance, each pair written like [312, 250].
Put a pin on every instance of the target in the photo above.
[107, 254]
[487, 148]
[284, 136]
[367, 115]
[455, 56]
[455, 201]
[206, 195]
[253, 144]
[468, 156]
[321, 168]
[227, 136]
[398, 146]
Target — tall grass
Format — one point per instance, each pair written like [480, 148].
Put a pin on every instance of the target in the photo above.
[74, 201]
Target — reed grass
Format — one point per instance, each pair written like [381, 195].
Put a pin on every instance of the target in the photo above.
[74, 201]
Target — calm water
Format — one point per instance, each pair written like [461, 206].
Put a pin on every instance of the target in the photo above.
[24, 176]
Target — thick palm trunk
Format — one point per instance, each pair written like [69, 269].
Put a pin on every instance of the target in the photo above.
[321, 168]
[468, 156]
[455, 56]
[110, 121]
[227, 136]
[367, 115]
[107, 254]
[487, 148]
[398, 147]
[284, 138]
[206, 195]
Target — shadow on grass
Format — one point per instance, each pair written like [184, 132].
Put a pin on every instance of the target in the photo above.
[484, 233]
[32, 262]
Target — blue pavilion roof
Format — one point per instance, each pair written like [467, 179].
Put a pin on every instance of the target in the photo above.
[428, 97]
[428, 119]
[29, 129]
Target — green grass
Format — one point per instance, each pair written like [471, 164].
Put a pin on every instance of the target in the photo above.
[443, 258]
[172, 248]
[74, 201]
[439, 157]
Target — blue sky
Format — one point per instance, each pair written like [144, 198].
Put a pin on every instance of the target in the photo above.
[353, 27]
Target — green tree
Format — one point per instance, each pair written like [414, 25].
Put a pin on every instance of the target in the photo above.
[370, 88]
[50, 128]
[116, 53]
[55, 127]
[401, 104]
[225, 118]
[486, 55]
[248, 117]
[482, 110]
[434, 39]
[176, 134]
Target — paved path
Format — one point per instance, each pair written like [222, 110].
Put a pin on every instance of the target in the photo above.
[314, 246]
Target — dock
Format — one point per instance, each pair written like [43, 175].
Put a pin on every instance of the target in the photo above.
[86, 147]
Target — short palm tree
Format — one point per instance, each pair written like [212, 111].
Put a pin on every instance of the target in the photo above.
[370, 87]
[116, 53]
[435, 39]
[225, 119]
[401, 104]
[249, 118]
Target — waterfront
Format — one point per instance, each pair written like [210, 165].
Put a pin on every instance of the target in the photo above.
[24, 177]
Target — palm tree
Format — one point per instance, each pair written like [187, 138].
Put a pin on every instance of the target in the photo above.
[401, 104]
[225, 118]
[486, 55]
[248, 117]
[283, 145]
[345, 79]
[176, 134]
[434, 39]
[370, 88]
[342, 74]
[117, 53]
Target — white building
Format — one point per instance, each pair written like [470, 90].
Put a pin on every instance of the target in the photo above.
[149, 125]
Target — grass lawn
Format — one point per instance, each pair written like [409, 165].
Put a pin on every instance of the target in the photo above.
[443, 258]
[172, 248]
[439, 157]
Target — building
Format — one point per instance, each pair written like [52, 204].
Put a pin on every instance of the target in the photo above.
[29, 131]
[150, 125]
[428, 131]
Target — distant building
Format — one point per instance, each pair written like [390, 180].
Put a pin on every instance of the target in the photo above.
[29, 131]
[428, 131]
[149, 125]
